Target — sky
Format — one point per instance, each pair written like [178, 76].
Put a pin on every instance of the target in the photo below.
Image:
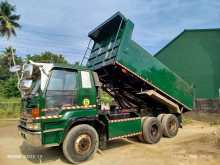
[62, 26]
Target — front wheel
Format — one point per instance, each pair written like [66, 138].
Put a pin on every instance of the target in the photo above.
[81, 143]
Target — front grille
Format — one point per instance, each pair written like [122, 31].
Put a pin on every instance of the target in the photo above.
[26, 113]
[23, 122]
[25, 117]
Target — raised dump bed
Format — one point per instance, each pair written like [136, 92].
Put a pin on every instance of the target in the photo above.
[130, 74]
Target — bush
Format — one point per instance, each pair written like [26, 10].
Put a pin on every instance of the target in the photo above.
[106, 98]
[187, 120]
[9, 108]
[9, 113]
[8, 88]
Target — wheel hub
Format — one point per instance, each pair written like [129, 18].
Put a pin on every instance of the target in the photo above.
[154, 130]
[83, 144]
[172, 125]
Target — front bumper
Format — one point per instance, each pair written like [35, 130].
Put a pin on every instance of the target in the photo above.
[31, 137]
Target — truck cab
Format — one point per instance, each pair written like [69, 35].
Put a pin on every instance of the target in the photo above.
[56, 99]
[48, 93]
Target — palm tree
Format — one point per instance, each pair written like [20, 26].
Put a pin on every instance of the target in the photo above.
[8, 20]
[8, 25]
[8, 55]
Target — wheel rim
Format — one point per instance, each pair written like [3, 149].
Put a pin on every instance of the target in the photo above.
[172, 126]
[154, 130]
[83, 144]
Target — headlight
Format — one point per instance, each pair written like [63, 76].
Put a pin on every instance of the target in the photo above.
[33, 126]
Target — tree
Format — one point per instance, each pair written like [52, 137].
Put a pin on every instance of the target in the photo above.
[5, 63]
[8, 56]
[8, 25]
[48, 57]
[8, 20]
[8, 87]
[8, 81]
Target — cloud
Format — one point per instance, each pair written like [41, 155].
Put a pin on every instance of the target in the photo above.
[165, 20]
[62, 27]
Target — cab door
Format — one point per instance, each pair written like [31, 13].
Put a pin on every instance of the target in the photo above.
[62, 88]
[87, 91]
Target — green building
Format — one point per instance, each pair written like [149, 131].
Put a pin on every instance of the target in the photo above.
[195, 56]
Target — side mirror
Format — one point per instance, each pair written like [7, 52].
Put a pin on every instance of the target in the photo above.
[27, 70]
[25, 85]
[15, 68]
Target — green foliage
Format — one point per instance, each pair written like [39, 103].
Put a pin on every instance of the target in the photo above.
[12, 100]
[10, 113]
[105, 97]
[8, 88]
[187, 120]
[47, 57]
[8, 81]
[6, 63]
[9, 108]
[8, 20]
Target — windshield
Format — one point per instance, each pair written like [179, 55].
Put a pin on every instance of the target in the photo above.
[61, 89]
[62, 80]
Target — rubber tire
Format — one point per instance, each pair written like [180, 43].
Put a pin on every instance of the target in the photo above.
[140, 137]
[160, 117]
[147, 125]
[166, 119]
[68, 149]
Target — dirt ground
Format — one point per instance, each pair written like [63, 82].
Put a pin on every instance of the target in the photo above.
[197, 143]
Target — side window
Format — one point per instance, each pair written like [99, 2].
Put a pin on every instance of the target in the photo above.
[86, 81]
[61, 89]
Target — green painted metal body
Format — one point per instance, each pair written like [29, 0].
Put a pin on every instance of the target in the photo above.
[194, 54]
[56, 137]
[125, 52]
[116, 47]
[53, 130]
[123, 128]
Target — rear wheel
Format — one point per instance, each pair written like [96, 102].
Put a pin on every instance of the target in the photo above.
[151, 130]
[81, 143]
[140, 137]
[170, 125]
[160, 117]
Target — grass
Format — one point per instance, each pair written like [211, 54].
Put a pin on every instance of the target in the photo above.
[187, 120]
[10, 100]
[9, 107]
[210, 120]
[213, 123]
[9, 113]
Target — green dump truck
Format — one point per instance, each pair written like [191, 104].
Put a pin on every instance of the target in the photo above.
[61, 104]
